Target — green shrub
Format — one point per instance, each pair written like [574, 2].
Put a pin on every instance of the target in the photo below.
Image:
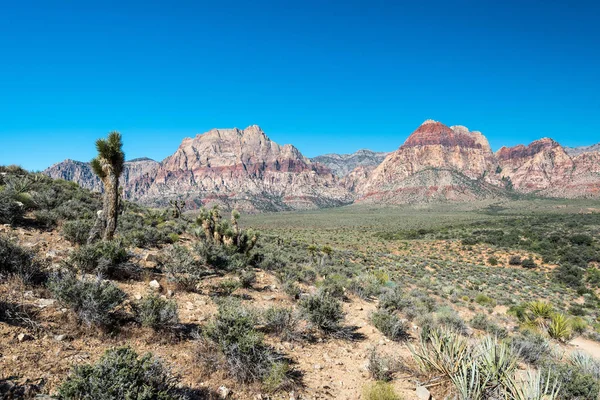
[77, 231]
[334, 285]
[528, 263]
[246, 357]
[93, 300]
[121, 374]
[281, 322]
[11, 211]
[484, 300]
[247, 278]
[578, 325]
[531, 347]
[182, 268]
[560, 327]
[514, 260]
[380, 368]
[390, 325]
[379, 391]
[323, 311]
[493, 261]
[155, 312]
[574, 382]
[482, 322]
[106, 258]
[18, 261]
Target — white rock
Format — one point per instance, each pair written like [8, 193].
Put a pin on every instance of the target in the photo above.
[154, 285]
[423, 393]
[224, 392]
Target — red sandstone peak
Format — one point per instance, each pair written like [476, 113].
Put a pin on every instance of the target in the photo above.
[522, 151]
[435, 133]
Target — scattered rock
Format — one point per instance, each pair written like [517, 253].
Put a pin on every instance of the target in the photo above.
[423, 393]
[43, 303]
[318, 367]
[189, 305]
[60, 338]
[137, 296]
[224, 392]
[269, 298]
[151, 257]
[154, 285]
[24, 337]
[170, 293]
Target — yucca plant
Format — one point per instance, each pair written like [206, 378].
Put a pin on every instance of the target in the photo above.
[497, 361]
[444, 352]
[532, 386]
[470, 382]
[537, 315]
[559, 327]
[586, 364]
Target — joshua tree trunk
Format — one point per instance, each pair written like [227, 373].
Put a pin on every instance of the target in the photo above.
[110, 207]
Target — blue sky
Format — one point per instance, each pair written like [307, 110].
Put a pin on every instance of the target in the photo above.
[326, 76]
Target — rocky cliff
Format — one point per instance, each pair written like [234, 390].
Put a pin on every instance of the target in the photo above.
[236, 168]
[343, 164]
[575, 151]
[435, 162]
[244, 169]
[545, 168]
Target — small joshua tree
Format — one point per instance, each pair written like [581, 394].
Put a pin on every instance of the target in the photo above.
[177, 207]
[108, 165]
[226, 233]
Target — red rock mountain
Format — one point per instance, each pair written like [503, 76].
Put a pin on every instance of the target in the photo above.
[436, 162]
[236, 168]
[545, 168]
[246, 170]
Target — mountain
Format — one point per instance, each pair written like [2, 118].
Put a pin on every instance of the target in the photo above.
[544, 167]
[576, 151]
[244, 169]
[436, 162]
[236, 168]
[343, 164]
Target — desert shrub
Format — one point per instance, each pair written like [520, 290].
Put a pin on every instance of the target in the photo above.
[334, 285]
[586, 364]
[528, 263]
[227, 286]
[390, 325]
[447, 317]
[381, 368]
[46, 219]
[107, 258]
[394, 299]
[121, 374]
[281, 322]
[531, 347]
[578, 325]
[292, 290]
[482, 322]
[246, 356]
[11, 210]
[323, 312]
[379, 391]
[484, 300]
[77, 231]
[514, 260]
[93, 300]
[574, 383]
[247, 278]
[182, 268]
[493, 261]
[18, 261]
[155, 312]
[367, 286]
[569, 274]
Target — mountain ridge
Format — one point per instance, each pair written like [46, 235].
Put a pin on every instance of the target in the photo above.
[244, 169]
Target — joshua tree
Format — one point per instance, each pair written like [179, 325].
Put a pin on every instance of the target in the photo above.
[224, 232]
[108, 165]
[177, 207]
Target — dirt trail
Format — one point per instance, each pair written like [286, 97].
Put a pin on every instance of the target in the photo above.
[587, 346]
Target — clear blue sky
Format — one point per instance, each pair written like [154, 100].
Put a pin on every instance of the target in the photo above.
[326, 76]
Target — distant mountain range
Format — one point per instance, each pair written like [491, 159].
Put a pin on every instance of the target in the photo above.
[244, 169]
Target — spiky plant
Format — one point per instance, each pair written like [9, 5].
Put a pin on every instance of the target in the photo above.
[108, 165]
[496, 360]
[444, 351]
[586, 363]
[470, 382]
[537, 315]
[560, 327]
[532, 386]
